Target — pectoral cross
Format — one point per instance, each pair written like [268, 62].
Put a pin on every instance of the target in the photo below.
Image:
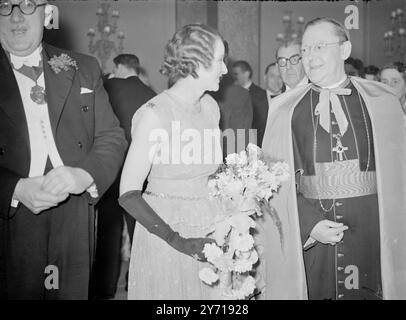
[339, 148]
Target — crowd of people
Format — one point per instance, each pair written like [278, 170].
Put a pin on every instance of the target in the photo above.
[79, 156]
[287, 72]
[244, 106]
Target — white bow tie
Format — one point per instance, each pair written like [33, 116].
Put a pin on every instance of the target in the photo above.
[323, 108]
[33, 60]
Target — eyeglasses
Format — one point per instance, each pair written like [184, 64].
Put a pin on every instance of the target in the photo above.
[317, 48]
[282, 62]
[27, 7]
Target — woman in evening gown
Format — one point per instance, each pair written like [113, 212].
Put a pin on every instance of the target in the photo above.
[176, 147]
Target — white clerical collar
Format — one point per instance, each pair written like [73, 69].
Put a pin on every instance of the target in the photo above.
[337, 84]
[32, 60]
[247, 85]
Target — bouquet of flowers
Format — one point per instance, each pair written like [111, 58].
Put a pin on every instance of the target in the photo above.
[244, 186]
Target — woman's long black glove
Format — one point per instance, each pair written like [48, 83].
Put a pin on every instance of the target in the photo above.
[136, 206]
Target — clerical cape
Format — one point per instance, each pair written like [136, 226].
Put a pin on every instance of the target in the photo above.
[284, 267]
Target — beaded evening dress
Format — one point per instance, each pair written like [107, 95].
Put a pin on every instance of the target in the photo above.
[177, 190]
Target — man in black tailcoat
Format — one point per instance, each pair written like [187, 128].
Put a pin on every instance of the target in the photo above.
[61, 147]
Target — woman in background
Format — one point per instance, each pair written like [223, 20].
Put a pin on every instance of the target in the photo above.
[394, 75]
[174, 215]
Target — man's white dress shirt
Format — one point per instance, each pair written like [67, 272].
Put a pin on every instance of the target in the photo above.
[39, 125]
[247, 85]
[42, 142]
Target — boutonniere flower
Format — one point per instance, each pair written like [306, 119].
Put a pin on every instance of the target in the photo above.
[63, 62]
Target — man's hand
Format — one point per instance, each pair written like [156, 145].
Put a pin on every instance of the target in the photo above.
[328, 232]
[64, 180]
[28, 191]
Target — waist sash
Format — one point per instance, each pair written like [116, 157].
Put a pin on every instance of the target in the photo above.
[338, 180]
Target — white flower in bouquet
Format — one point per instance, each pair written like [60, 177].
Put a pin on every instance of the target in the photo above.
[232, 159]
[242, 158]
[242, 265]
[243, 242]
[247, 287]
[242, 223]
[225, 264]
[251, 255]
[212, 252]
[251, 185]
[266, 193]
[254, 152]
[208, 276]
[221, 231]
[245, 260]
[248, 204]
[234, 189]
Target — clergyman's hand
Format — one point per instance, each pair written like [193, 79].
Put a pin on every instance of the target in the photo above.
[328, 232]
[65, 179]
[28, 191]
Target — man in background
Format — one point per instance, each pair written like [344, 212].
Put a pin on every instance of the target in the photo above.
[273, 82]
[242, 73]
[126, 94]
[235, 112]
[290, 65]
[354, 67]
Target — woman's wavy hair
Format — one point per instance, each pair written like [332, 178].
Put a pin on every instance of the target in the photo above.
[190, 46]
[397, 65]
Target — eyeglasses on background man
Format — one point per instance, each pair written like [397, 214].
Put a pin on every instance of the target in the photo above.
[26, 7]
[282, 62]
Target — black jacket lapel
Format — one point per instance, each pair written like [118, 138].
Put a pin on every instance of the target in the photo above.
[57, 85]
[10, 98]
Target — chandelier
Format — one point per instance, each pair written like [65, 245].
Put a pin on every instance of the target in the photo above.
[395, 41]
[290, 32]
[106, 28]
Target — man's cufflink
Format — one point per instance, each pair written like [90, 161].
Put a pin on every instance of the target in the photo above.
[14, 203]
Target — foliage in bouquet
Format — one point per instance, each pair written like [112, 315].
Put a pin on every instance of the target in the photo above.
[244, 186]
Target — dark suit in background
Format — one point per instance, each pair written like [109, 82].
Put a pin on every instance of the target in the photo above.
[260, 107]
[236, 112]
[126, 96]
